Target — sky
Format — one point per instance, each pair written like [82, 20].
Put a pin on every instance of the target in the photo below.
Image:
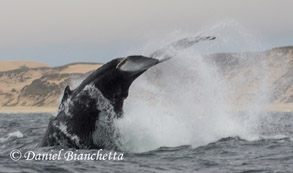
[58, 32]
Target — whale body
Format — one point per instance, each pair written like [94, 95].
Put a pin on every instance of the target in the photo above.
[85, 115]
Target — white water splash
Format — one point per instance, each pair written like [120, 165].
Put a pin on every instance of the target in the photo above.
[187, 101]
[16, 134]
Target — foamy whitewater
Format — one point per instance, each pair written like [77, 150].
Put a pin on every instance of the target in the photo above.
[186, 100]
[181, 116]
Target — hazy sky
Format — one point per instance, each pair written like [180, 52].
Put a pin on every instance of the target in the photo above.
[57, 32]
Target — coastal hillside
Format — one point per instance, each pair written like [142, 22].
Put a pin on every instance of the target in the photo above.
[13, 65]
[258, 77]
[33, 88]
[264, 76]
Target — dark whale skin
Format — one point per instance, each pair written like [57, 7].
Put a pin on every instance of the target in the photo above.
[75, 122]
[91, 107]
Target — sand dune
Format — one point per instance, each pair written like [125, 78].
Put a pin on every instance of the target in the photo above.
[12, 65]
[30, 89]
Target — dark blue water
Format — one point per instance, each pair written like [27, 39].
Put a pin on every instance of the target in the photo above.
[271, 153]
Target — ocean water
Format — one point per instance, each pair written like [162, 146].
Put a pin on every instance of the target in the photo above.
[272, 151]
[180, 116]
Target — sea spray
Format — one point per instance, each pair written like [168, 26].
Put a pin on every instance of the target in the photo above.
[190, 100]
[179, 108]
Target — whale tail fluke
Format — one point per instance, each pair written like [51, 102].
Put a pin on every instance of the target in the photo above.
[172, 49]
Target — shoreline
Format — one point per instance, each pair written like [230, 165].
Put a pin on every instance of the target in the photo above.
[33, 109]
[27, 110]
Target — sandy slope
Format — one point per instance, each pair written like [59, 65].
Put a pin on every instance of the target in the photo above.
[80, 68]
[12, 65]
[38, 89]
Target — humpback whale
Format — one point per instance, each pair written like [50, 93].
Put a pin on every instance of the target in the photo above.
[85, 116]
